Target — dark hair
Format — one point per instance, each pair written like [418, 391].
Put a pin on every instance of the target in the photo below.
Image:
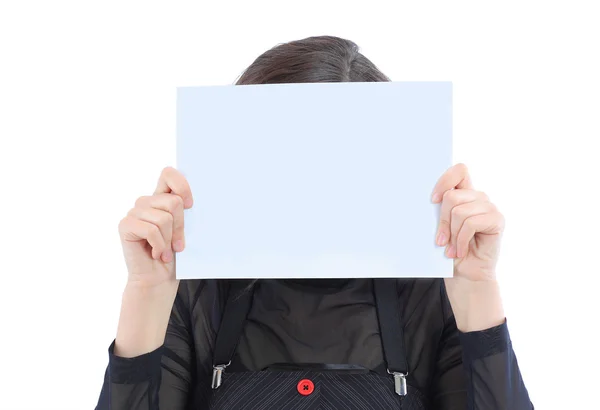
[321, 59]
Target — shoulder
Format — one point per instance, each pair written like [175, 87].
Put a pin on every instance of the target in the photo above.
[200, 303]
[417, 288]
[204, 295]
[423, 298]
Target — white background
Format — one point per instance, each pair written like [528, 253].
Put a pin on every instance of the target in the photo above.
[87, 122]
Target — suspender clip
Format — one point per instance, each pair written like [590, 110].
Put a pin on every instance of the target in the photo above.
[218, 374]
[399, 383]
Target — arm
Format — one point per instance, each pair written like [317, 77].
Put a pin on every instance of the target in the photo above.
[471, 228]
[151, 358]
[478, 369]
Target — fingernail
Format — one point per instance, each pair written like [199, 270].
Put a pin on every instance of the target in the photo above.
[167, 256]
[436, 197]
[187, 203]
[178, 245]
[450, 251]
[441, 239]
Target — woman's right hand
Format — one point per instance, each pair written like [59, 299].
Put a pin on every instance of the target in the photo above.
[153, 230]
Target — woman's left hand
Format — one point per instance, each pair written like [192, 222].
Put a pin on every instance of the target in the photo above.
[470, 226]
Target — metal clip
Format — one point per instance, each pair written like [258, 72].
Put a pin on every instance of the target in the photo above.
[218, 374]
[399, 383]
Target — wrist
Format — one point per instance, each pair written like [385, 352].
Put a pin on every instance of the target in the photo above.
[150, 289]
[145, 312]
[477, 305]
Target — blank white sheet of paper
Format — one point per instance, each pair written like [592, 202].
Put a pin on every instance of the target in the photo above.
[320, 180]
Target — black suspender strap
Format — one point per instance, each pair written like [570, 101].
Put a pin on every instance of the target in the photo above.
[239, 301]
[392, 331]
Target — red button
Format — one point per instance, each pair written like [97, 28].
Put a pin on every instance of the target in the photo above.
[305, 387]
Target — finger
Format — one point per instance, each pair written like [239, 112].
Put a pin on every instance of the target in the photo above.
[461, 212]
[172, 181]
[135, 230]
[163, 220]
[450, 200]
[174, 205]
[455, 177]
[482, 223]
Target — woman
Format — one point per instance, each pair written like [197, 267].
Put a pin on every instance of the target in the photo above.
[312, 344]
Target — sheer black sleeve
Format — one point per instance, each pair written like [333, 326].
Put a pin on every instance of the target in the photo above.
[477, 370]
[171, 377]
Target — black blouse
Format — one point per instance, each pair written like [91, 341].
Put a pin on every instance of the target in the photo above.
[321, 321]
